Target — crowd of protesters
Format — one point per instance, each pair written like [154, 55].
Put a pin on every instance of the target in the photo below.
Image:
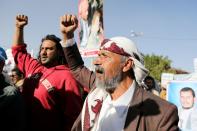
[12, 107]
[47, 93]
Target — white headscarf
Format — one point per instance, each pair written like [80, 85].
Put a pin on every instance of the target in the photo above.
[126, 47]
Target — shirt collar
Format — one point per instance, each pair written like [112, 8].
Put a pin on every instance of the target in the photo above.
[122, 103]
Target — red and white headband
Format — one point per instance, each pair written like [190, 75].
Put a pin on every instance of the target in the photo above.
[126, 47]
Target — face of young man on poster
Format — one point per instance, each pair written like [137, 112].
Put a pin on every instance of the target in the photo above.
[187, 99]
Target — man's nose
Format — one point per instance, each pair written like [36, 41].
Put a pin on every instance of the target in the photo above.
[97, 61]
[43, 52]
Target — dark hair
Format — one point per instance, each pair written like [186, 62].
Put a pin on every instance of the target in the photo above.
[60, 58]
[188, 89]
[149, 87]
[18, 72]
[150, 78]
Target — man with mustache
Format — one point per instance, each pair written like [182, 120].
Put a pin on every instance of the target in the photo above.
[117, 100]
[187, 112]
[51, 93]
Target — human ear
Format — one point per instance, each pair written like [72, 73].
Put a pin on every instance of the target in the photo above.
[128, 65]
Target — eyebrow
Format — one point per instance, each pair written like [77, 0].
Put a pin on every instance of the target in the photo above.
[103, 53]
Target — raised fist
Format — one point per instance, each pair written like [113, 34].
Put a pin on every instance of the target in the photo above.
[21, 21]
[68, 24]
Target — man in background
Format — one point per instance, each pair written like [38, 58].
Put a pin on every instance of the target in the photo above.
[150, 83]
[17, 78]
[51, 93]
[12, 110]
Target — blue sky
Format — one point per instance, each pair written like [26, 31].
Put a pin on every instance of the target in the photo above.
[168, 26]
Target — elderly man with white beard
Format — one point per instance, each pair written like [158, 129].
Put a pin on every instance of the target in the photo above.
[117, 100]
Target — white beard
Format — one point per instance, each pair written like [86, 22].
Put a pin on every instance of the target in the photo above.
[109, 84]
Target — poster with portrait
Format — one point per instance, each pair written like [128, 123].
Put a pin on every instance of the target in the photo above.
[90, 14]
[183, 95]
[174, 87]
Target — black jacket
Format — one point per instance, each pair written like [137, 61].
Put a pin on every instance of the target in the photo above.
[12, 111]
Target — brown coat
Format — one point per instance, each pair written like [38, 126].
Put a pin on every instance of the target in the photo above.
[146, 112]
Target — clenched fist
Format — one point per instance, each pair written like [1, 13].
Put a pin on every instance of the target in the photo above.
[21, 21]
[68, 24]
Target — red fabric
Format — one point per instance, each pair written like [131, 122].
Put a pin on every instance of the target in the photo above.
[86, 126]
[96, 109]
[113, 48]
[43, 112]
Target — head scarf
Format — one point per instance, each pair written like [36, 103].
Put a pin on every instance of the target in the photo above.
[125, 47]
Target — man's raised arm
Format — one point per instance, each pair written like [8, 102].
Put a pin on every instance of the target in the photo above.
[21, 21]
[68, 24]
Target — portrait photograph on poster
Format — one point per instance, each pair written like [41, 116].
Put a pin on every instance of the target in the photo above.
[183, 95]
